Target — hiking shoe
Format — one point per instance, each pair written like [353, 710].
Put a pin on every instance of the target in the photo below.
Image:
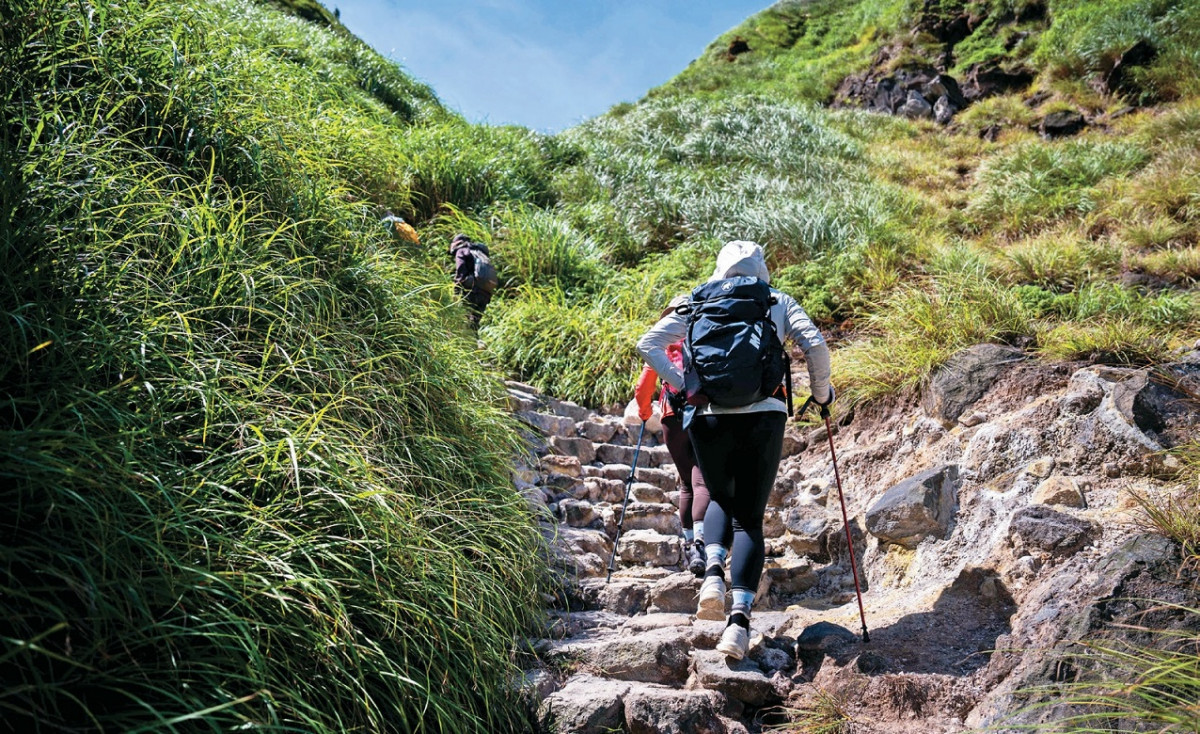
[696, 558]
[712, 599]
[735, 641]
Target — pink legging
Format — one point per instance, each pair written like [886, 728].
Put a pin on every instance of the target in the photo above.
[693, 497]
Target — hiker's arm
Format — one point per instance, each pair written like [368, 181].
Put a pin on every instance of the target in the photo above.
[653, 348]
[644, 392]
[801, 330]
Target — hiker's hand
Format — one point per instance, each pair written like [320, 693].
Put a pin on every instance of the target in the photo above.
[677, 401]
[824, 404]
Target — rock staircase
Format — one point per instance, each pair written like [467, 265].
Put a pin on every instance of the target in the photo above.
[993, 514]
[628, 655]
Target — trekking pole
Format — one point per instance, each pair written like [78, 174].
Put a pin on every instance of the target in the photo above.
[866, 636]
[612, 557]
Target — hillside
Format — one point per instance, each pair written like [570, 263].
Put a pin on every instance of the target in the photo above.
[261, 474]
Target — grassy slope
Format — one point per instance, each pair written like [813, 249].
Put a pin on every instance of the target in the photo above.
[254, 473]
[913, 240]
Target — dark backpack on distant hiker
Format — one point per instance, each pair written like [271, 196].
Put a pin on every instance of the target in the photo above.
[732, 356]
[486, 279]
[482, 277]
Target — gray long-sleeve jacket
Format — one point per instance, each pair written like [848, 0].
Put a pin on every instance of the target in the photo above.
[790, 323]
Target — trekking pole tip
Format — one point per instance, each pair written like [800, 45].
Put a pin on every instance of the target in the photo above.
[866, 636]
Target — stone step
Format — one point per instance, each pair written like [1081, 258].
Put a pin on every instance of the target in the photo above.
[580, 448]
[655, 656]
[568, 409]
[587, 703]
[548, 424]
[648, 456]
[598, 429]
[660, 517]
[648, 546]
[665, 478]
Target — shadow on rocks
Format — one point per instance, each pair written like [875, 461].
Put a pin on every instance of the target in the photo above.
[953, 638]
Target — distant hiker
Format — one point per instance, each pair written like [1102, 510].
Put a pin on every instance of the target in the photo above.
[735, 415]
[474, 275]
[693, 495]
[400, 228]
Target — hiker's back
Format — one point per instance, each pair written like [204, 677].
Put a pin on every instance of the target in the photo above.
[733, 354]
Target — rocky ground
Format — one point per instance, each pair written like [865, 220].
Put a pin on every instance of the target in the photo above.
[995, 522]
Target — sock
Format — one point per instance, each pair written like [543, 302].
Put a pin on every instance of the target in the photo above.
[698, 527]
[715, 570]
[739, 619]
[688, 535]
[716, 555]
[742, 599]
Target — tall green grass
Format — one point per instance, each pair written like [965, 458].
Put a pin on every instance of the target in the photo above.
[255, 471]
[1037, 184]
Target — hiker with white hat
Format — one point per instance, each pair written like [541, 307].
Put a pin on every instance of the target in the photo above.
[734, 330]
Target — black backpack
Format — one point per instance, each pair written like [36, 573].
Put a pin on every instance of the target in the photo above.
[732, 356]
[486, 279]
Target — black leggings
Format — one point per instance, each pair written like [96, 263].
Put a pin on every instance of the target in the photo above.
[693, 497]
[739, 454]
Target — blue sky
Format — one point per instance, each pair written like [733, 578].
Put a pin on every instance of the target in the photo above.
[544, 64]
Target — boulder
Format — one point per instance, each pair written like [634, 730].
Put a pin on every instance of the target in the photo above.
[964, 379]
[619, 472]
[1059, 534]
[580, 541]
[944, 86]
[648, 546]
[676, 593]
[917, 508]
[1061, 124]
[888, 96]
[1058, 491]
[568, 409]
[621, 596]
[605, 490]
[1159, 403]
[538, 684]
[944, 110]
[787, 575]
[915, 107]
[584, 705]
[608, 453]
[742, 680]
